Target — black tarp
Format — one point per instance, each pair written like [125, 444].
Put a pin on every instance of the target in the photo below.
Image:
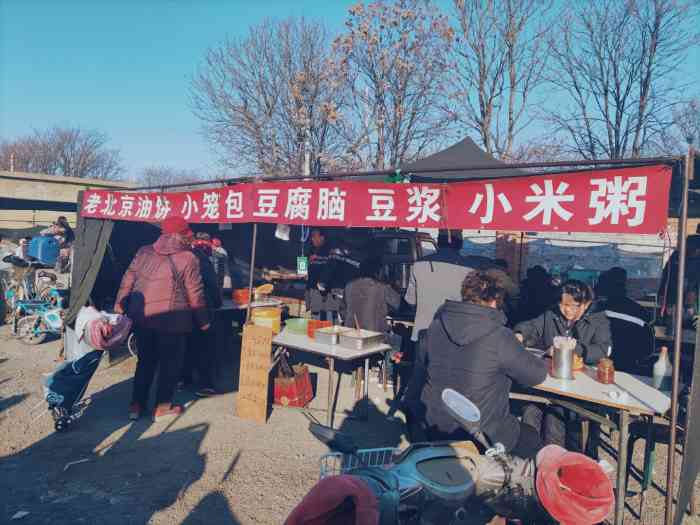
[91, 238]
[464, 153]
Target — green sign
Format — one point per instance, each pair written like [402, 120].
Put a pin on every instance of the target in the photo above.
[302, 265]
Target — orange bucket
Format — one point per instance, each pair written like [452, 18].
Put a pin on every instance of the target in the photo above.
[315, 324]
[241, 296]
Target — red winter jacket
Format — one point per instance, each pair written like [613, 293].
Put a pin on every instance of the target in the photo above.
[162, 296]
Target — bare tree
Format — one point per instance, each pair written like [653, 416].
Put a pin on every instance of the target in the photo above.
[499, 52]
[541, 149]
[165, 175]
[686, 117]
[616, 65]
[269, 101]
[72, 152]
[394, 58]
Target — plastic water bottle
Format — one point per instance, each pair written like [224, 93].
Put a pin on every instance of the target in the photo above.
[662, 371]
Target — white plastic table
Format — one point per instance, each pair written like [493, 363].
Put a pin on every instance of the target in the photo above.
[228, 304]
[330, 353]
[630, 395]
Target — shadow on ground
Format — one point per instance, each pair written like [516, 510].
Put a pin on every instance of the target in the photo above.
[110, 477]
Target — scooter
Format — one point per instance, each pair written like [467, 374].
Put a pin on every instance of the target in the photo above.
[438, 483]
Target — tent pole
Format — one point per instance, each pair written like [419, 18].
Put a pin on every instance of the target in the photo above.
[677, 339]
[252, 272]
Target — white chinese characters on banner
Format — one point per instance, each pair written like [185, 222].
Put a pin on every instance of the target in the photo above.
[234, 204]
[108, 209]
[91, 203]
[162, 207]
[144, 207]
[331, 204]
[210, 203]
[423, 205]
[127, 205]
[548, 202]
[487, 217]
[603, 201]
[267, 203]
[189, 207]
[382, 203]
[298, 200]
[615, 198]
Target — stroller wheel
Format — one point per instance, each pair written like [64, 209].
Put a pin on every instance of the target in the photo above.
[61, 418]
[62, 424]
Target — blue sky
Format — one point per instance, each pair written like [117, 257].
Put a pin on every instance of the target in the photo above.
[124, 67]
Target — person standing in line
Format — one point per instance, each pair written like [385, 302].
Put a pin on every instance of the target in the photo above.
[219, 258]
[318, 261]
[201, 344]
[162, 292]
[433, 279]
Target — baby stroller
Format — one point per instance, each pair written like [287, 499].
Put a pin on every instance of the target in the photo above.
[94, 333]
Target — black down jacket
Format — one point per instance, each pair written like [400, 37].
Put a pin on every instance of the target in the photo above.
[472, 351]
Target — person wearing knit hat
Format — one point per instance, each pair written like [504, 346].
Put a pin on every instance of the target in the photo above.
[162, 292]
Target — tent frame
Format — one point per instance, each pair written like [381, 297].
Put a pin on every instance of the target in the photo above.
[688, 165]
[590, 164]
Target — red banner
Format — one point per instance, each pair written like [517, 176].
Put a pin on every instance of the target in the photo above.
[630, 200]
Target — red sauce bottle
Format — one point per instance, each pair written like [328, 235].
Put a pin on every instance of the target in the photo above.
[606, 371]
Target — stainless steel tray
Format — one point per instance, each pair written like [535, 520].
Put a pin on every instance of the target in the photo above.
[360, 339]
[329, 335]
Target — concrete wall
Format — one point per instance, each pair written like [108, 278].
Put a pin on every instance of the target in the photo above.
[37, 186]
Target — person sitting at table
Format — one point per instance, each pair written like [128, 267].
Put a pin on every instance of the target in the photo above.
[632, 337]
[367, 299]
[537, 294]
[470, 350]
[570, 317]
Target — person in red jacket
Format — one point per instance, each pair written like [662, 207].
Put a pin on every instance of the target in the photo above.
[162, 292]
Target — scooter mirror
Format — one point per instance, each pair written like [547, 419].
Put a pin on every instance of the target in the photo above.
[463, 410]
[333, 439]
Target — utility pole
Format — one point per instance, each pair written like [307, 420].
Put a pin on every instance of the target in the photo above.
[12, 162]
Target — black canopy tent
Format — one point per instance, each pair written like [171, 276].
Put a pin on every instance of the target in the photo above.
[451, 164]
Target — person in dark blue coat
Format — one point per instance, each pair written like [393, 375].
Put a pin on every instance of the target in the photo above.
[470, 350]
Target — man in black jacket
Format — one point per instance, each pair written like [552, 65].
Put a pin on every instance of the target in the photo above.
[471, 350]
[573, 317]
[632, 335]
[570, 317]
[318, 262]
[201, 345]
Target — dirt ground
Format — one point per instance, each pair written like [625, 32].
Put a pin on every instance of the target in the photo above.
[206, 466]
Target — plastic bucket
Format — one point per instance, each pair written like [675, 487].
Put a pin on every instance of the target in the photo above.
[315, 324]
[241, 296]
[270, 316]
